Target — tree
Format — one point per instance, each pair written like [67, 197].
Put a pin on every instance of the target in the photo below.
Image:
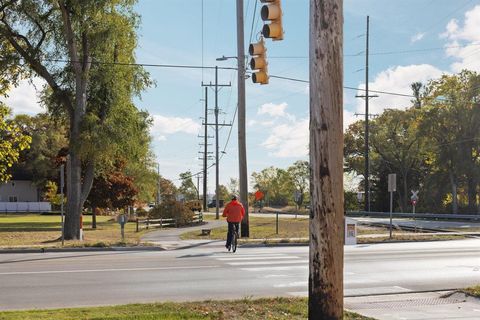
[233, 186]
[451, 118]
[275, 183]
[300, 175]
[326, 161]
[42, 159]
[12, 142]
[112, 190]
[394, 137]
[187, 187]
[42, 35]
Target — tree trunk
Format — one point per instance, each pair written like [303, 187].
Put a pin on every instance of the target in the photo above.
[94, 217]
[454, 192]
[326, 159]
[74, 185]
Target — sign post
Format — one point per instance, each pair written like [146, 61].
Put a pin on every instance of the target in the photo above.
[62, 182]
[414, 199]
[392, 187]
[122, 219]
[296, 195]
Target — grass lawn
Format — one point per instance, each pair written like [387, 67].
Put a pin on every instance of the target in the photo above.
[261, 228]
[251, 309]
[34, 230]
[473, 291]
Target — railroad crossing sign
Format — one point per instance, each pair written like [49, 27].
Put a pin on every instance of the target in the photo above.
[414, 197]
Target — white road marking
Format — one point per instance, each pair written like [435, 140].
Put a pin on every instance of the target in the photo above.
[285, 268]
[103, 270]
[253, 263]
[248, 255]
[257, 258]
[292, 284]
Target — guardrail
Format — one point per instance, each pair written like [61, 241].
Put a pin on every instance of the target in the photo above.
[432, 216]
[164, 222]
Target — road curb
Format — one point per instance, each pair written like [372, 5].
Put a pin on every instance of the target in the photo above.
[80, 249]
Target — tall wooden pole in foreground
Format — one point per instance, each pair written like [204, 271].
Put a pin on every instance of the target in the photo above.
[326, 160]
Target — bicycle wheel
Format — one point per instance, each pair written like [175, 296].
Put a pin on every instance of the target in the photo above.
[234, 241]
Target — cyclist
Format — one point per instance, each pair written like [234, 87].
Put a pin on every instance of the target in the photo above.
[234, 212]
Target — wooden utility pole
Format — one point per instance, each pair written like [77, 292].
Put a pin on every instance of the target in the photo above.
[367, 97]
[326, 160]
[216, 85]
[242, 144]
[205, 153]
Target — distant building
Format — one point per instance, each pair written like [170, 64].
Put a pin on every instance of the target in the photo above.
[19, 191]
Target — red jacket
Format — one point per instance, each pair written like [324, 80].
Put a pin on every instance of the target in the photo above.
[234, 211]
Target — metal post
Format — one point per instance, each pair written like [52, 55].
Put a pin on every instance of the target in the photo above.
[217, 164]
[391, 210]
[367, 165]
[276, 229]
[242, 149]
[159, 185]
[62, 182]
[205, 153]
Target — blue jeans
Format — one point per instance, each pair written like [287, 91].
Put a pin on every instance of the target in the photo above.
[231, 226]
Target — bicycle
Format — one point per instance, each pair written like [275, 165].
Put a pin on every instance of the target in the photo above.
[235, 236]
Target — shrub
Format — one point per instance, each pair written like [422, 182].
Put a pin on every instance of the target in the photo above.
[171, 209]
[140, 212]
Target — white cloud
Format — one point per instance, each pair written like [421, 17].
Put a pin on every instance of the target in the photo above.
[23, 98]
[170, 125]
[275, 110]
[417, 37]
[289, 139]
[348, 118]
[398, 80]
[463, 39]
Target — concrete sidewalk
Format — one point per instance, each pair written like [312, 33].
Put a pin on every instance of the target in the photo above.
[169, 239]
[413, 306]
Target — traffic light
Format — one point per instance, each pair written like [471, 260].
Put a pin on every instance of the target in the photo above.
[272, 11]
[258, 51]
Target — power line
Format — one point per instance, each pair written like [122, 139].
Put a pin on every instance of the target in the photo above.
[154, 65]
[380, 53]
[213, 68]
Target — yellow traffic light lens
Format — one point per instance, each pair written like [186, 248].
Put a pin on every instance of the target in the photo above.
[273, 30]
[255, 49]
[270, 12]
[260, 77]
[257, 63]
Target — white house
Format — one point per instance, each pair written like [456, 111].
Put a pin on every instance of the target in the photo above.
[19, 191]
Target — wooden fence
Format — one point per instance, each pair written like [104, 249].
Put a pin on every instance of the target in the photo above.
[164, 222]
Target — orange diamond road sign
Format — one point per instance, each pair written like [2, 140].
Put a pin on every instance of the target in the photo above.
[259, 195]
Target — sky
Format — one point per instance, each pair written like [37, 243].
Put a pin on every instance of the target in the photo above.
[410, 40]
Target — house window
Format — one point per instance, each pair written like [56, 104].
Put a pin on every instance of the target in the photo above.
[12, 199]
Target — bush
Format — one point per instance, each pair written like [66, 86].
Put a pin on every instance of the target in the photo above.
[171, 209]
[140, 212]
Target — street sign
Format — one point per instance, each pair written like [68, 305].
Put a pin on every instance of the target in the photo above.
[259, 195]
[297, 194]
[392, 182]
[122, 219]
[414, 196]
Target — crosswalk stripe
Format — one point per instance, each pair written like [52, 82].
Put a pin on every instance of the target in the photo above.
[292, 284]
[220, 256]
[282, 268]
[256, 258]
[253, 263]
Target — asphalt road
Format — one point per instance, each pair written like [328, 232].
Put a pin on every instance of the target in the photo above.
[53, 280]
